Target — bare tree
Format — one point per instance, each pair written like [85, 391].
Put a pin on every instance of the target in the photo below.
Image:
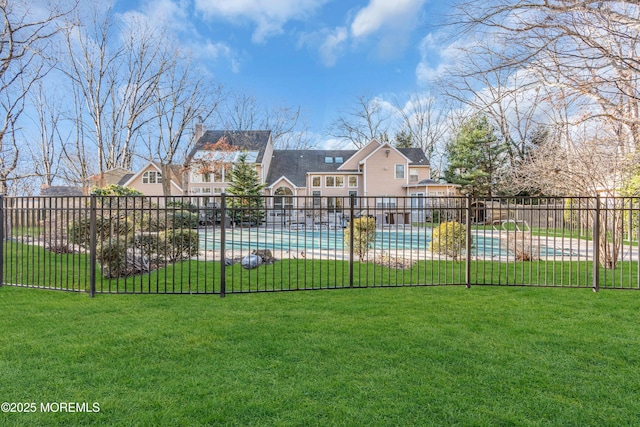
[45, 146]
[424, 121]
[585, 50]
[183, 97]
[77, 160]
[241, 111]
[587, 163]
[367, 119]
[25, 36]
[116, 81]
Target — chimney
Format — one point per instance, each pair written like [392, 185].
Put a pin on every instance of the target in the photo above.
[199, 131]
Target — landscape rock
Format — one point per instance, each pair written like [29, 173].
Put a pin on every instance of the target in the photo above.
[251, 261]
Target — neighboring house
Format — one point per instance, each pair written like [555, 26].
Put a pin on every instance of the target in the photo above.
[378, 171]
[112, 176]
[148, 180]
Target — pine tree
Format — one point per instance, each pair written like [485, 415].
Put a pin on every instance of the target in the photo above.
[475, 154]
[247, 199]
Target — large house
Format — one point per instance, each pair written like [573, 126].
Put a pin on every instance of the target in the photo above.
[378, 171]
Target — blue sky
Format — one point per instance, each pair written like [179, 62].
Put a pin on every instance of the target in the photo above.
[316, 54]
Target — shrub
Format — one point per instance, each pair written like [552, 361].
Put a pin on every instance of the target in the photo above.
[522, 247]
[116, 190]
[364, 235]
[449, 239]
[151, 222]
[177, 245]
[180, 204]
[183, 219]
[167, 247]
[119, 259]
[80, 230]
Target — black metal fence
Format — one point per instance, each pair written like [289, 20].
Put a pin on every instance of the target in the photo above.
[232, 244]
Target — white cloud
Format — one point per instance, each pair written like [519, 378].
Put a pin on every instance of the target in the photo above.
[433, 51]
[269, 16]
[398, 15]
[219, 50]
[170, 12]
[332, 46]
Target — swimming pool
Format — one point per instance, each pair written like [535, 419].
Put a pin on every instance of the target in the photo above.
[391, 240]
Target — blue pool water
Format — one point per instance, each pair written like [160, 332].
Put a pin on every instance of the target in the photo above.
[391, 240]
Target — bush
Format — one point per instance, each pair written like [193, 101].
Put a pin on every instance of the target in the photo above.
[449, 239]
[179, 204]
[151, 222]
[364, 235]
[177, 245]
[80, 231]
[116, 190]
[119, 259]
[167, 247]
[183, 219]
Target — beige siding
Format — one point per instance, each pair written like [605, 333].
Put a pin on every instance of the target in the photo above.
[151, 189]
[380, 174]
[424, 172]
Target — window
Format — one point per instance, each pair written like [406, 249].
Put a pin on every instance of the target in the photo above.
[316, 181]
[353, 182]
[413, 175]
[339, 160]
[417, 200]
[334, 204]
[317, 200]
[334, 181]
[328, 159]
[283, 198]
[399, 171]
[385, 202]
[355, 194]
[151, 177]
[196, 177]
[206, 177]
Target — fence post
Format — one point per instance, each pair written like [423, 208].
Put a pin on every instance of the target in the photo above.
[92, 245]
[223, 250]
[1, 240]
[596, 246]
[351, 214]
[468, 242]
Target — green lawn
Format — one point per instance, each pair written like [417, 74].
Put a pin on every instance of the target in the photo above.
[410, 356]
[34, 265]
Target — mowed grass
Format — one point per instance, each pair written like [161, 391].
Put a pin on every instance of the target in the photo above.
[29, 265]
[409, 356]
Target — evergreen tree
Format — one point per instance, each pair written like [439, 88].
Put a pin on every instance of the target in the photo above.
[404, 139]
[247, 201]
[475, 156]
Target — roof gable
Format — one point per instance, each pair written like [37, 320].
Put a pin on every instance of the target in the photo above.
[385, 146]
[154, 167]
[352, 162]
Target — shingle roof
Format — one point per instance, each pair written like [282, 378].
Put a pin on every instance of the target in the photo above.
[61, 190]
[416, 155]
[125, 178]
[250, 140]
[294, 164]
